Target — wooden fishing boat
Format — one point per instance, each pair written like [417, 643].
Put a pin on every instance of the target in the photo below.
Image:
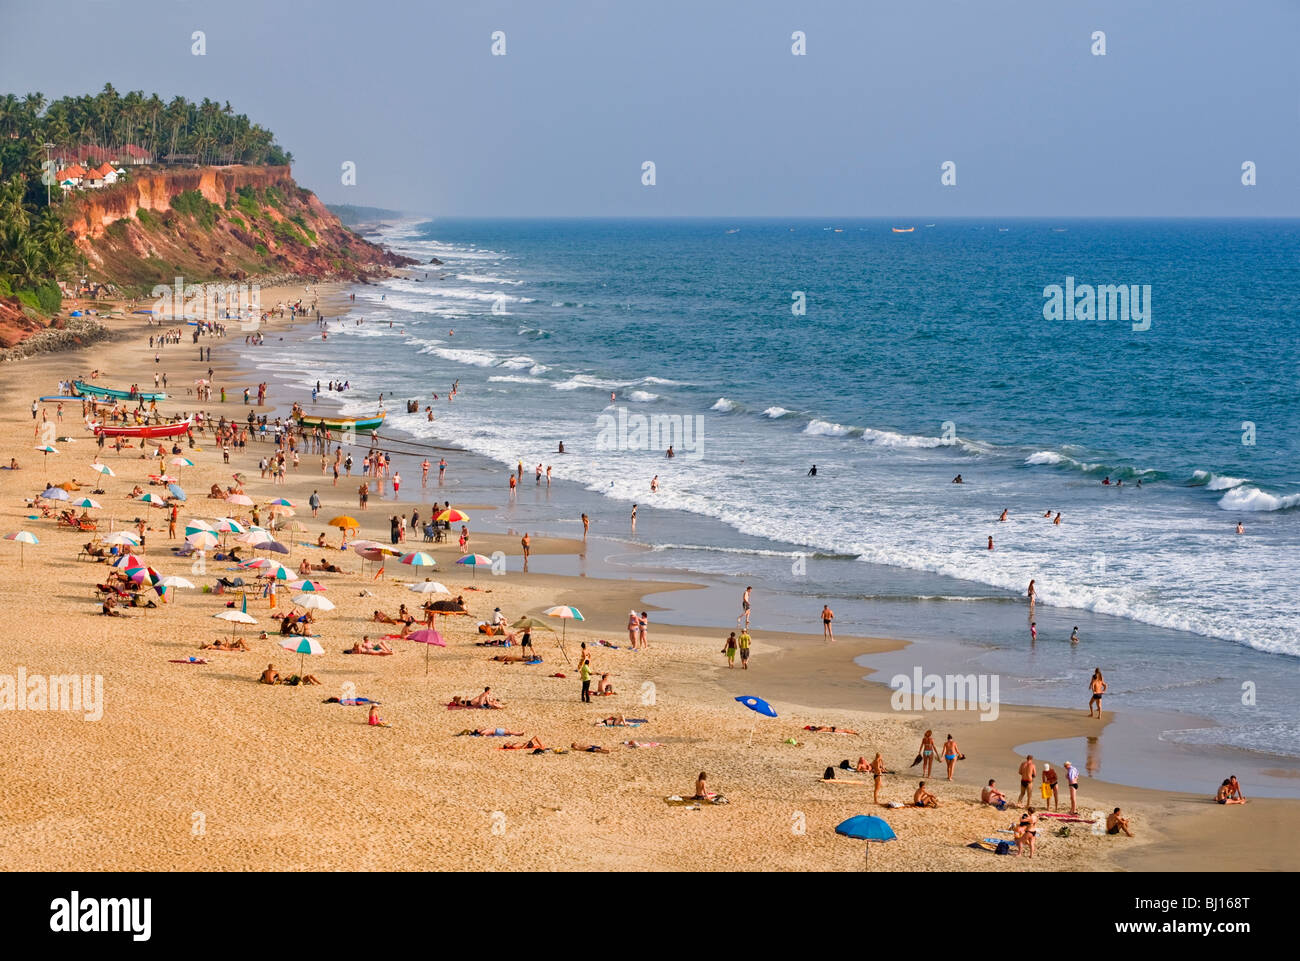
[83, 388]
[357, 425]
[174, 429]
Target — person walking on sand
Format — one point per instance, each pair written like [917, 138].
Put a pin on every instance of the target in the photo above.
[744, 640]
[1098, 687]
[526, 543]
[1028, 770]
[1072, 779]
[951, 755]
[927, 750]
[827, 616]
[729, 649]
[744, 607]
[424, 472]
[314, 503]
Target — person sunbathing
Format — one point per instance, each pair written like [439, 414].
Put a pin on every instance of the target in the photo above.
[239, 644]
[991, 795]
[136, 491]
[109, 607]
[326, 566]
[828, 729]
[95, 549]
[1224, 795]
[617, 720]
[491, 732]
[702, 792]
[383, 618]
[367, 646]
[289, 624]
[1116, 822]
[603, 686]
[295, 680]
[923, 798]
[304, 568]
[589, 748]
[404, 615]
[485, 699]
[214, 493]
[320, 541]
[532, 744]
[516, 658]
[270, 676]
[374, 720]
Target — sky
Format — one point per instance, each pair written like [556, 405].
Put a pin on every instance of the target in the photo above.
[710, 92]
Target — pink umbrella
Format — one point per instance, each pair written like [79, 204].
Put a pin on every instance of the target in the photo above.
[429, 637]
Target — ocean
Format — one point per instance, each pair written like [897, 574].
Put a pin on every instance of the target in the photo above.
[893, 362]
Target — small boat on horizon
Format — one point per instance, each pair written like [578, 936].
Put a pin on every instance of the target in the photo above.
[902, 230]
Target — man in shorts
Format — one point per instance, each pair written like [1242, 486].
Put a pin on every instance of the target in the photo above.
[744, 640]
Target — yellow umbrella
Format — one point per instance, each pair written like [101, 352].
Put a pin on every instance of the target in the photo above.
[346, 523]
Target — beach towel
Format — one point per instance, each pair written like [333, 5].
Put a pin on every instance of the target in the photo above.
[984, 846]
[561, 676]
[840, 780]
[1070, 818]
[189, 660]
[474, 707]
[349, 701]
[643, 744]
[694, 803]
[604, 643]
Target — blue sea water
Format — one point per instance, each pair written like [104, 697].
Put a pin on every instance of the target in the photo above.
[921, 355]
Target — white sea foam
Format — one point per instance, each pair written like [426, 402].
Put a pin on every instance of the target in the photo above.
[775, 412]
[1250, 498]
[1046, 457]
[487, 279]
[826, 428]
[475, 358]
[724, 405]
[888, 438]
[514, 379]
[642, 396]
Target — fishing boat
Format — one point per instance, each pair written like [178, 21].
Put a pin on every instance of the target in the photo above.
[144, 430]
[358, 425]
[902, 230]
[82, 387]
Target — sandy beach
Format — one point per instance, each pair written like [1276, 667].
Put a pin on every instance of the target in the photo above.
[200, 767]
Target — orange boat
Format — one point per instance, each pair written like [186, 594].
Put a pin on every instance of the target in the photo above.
[145, 430]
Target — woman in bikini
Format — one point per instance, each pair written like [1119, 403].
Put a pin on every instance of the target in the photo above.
[951, 754]
[927, 751]
[877, 775]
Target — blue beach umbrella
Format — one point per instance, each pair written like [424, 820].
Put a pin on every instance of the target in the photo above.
[176, 491]
[56, 494]
[866, 827]
[758, 706]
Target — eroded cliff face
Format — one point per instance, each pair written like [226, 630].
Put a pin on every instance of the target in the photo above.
[147, 189]
[252, 221]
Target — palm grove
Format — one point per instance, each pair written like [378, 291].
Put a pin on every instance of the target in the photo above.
[35, 247]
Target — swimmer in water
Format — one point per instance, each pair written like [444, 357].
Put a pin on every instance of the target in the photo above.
[1240, 528]
[812, 471]
[1074, 635]
[1057, 521]
[990, 542]
[1004, 515]
[957, 479]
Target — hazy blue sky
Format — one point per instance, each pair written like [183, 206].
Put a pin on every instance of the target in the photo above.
[709, 91]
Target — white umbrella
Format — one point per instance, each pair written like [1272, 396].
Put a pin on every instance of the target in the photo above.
[175, 581]
[234, 617]
[122, 539]
[243, 500]
[23, 538]
[314, 602]
[428, 587]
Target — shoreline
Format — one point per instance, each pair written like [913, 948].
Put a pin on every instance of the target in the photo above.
[818, 681]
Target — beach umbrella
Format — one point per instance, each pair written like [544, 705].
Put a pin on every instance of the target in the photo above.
[47, 450]
[281, 502]
[129, 560]
[146, 575]
[87, 502]
[201, 540]
[418, 559]
[175, 581]
[151, 498]
[56, 494]
[452, 516]
[758, 706]
[302, 646]
[176, 491]
[566, 614]
[196, 525]
[314, 602]
[866, 827]
[307, 586]
[23, 538]
[475, 561]
[234, 617]
[122, 539]
[531, 623]
[275, 546]
[243, 500]
[228, 525]
[103, 469]
[162, 478]
[429, 637]
[182, 462]
[427, 587]
[254, 537]
[344, 522]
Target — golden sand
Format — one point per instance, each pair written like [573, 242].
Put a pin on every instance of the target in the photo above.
[201, 767]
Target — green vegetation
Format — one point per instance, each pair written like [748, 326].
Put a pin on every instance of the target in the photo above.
[248, 202]
[287, 233]
[191, 203]
[301, 221]
[237, 222]
[35, 247]
[146, 218]
[261, 250]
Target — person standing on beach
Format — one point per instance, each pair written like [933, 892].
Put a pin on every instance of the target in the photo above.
[526, 543]
[744, 607]
[1049, 788]
[877, 775]
[927, 750]
[314, 503]
[1074, 635]
[1030, 592]
[827, 616]
[1072, 779]
[586, 526]
[171, 522]
[633, 625]
[744, 641]
[424, 473]
[1028, 770]
[633, 518]
[1098, 687]
[643, 623]
[442, 468]
[584, 673]
[951, 755]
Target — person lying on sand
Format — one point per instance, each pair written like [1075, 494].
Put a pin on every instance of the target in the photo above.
[828, 729]
[367, 646]
[294, 680]
[923, 798]
[532, 744]
[616, 720]
[382, 618]
[219, 645]
[326, 566]
[490, 732]
[589, 748]
[1116, 822]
